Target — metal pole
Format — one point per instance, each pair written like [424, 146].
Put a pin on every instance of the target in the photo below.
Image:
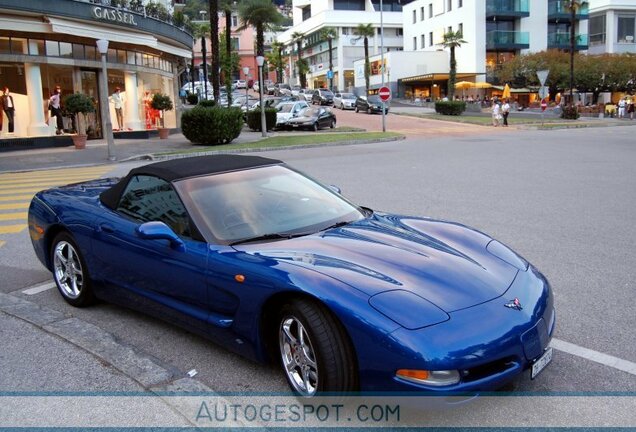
[205, 68]
[382, 62]
[246, 88]
[103, 101]
[260, 91]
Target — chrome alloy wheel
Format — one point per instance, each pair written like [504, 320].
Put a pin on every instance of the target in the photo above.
[299, 359]
[68, 270]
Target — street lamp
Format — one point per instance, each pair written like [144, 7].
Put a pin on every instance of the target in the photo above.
[246, 71]
[102, 47]
[260, 60]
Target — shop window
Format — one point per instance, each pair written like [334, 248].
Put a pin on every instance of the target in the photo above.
[5, 45]
[66, 49]
[111, 56]
[138, 59]
[36, 47]
[90, 52]
[12, 76]
[17, 45]
[52, 48]
[121, 56]
[78, 51]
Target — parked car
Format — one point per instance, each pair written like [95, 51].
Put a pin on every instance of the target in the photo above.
[294, 90]
[271, 264]
[344, 101]
[370, 104]
[287, 110]
[283, 90]
[313, 118]
[305, 94]
[322, 97]
[270, 89]
[240, 84]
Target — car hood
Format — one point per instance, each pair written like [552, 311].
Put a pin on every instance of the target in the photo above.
[302, 119]
[443, 262]
[283, 116]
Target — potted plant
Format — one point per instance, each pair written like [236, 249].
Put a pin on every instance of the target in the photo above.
[74, 104]
[162, 103]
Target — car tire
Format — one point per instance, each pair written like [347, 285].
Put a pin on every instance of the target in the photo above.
[333, 124]
[357, 110]
[315, 353]
[315, 127]
[368, 110]
[70, 271]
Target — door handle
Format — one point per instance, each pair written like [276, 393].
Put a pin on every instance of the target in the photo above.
[105, 228]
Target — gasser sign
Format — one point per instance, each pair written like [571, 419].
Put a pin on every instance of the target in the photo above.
[114, 15]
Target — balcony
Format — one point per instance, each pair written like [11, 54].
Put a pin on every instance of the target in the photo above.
[507, 9]
[507, 40]
[562, 41]
[558, 12]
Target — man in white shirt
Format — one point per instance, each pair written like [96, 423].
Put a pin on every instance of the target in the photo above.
[621, 107]
[118, 102]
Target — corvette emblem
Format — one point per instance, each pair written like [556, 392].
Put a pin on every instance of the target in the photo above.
[514, 304]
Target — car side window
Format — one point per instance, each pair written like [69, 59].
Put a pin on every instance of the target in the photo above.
[149, 198]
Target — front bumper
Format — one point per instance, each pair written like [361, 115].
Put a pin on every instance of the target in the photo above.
[489, 343]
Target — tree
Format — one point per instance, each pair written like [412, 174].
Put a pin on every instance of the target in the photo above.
[522, 70]
[214, 46]
[329, 34]
[262, 15]
[451, 41]
[227, 6]
[230, 64]
[192, 8]
[276, 60]
[298, 38]
[366, 31]
[200, 31]
[574, 7]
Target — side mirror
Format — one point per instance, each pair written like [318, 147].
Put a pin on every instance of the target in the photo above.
[160, 231]
[336, 189]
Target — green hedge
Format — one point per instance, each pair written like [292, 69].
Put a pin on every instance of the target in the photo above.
[207, 103]
[450, 107]
[570, 112]
[192, 98]
[212, 126]
[254, 119]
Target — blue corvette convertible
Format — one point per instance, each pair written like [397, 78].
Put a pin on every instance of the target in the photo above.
[273, 265]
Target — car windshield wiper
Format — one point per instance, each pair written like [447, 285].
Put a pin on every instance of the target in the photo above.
[272, 236]
[337, 225]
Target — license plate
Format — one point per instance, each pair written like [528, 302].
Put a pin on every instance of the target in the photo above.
[541, 363]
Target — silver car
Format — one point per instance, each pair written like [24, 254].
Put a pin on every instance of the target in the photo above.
[344, 101]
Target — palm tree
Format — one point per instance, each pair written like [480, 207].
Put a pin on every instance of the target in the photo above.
[227, 7]
[214, 46]
[277, 60]
[262, 15]
[366, 31]
[329, 34]
[200, 31]
[574, 7]
[452, 40]
[298, 38]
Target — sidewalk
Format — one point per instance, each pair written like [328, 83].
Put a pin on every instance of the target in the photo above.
[96, 152]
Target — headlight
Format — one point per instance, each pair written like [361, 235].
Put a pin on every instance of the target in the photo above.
[432, 378]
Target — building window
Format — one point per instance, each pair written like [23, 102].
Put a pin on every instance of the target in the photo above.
[450, 5]
[345, 31]
[625, 29]
[430, 10]
[597, 30]
[450, 29]
[306, 13]
[460, 3]
[349, 4]
[422, 13]
[430, 39]
[399, 32]
[234, 21]
[460, 29]
[235, 43]
[414, 16]
[52, 48]
[78, 51]
[423, 41]
[414, 43]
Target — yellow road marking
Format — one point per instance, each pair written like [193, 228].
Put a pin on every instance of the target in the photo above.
[61, 171]
[15, 197]
[32, 190]
[16, 206]
[58, 181]
[13, 216]
[12, 229]
[2, 242]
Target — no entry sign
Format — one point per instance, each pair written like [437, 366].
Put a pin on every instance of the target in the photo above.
[384, 93]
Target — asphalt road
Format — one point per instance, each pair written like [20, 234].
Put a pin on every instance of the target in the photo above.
[564, 199]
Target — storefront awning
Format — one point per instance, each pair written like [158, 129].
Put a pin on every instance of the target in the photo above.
[180, 52]
[24, 24]
[437, 77]
[115, 35]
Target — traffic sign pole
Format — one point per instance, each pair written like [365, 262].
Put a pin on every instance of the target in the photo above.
[385, 94]
[544, 105]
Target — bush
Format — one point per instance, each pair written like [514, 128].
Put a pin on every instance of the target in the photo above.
[450, 107]
[212, 126]
[78, 103]
[192, 98]
[161, 102]
[254, 119]
[207, 103]
[569, 112]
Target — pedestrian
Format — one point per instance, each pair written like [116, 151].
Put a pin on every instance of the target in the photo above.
[505, 110]
[8, 107]
[496, 114]
[55, 106]
[183, 95]
[630, 109]
[621, 107]
[118, 102]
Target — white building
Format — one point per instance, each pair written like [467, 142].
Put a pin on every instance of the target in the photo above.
[343, 15]
[494, 31]
[612, 26]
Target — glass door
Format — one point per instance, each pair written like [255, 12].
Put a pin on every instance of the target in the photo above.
[90, 88]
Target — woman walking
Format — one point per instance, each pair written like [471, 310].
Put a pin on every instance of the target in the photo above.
[496, 113]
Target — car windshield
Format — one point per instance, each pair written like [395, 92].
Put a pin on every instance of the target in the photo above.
[269, 201]
[310, 112]
[374, 99]
[347, 96]
[326, 92]
[285, 108]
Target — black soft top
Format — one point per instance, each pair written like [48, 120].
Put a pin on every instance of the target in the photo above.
[177, 169]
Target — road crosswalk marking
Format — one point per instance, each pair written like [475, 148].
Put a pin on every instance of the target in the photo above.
[17, 190]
